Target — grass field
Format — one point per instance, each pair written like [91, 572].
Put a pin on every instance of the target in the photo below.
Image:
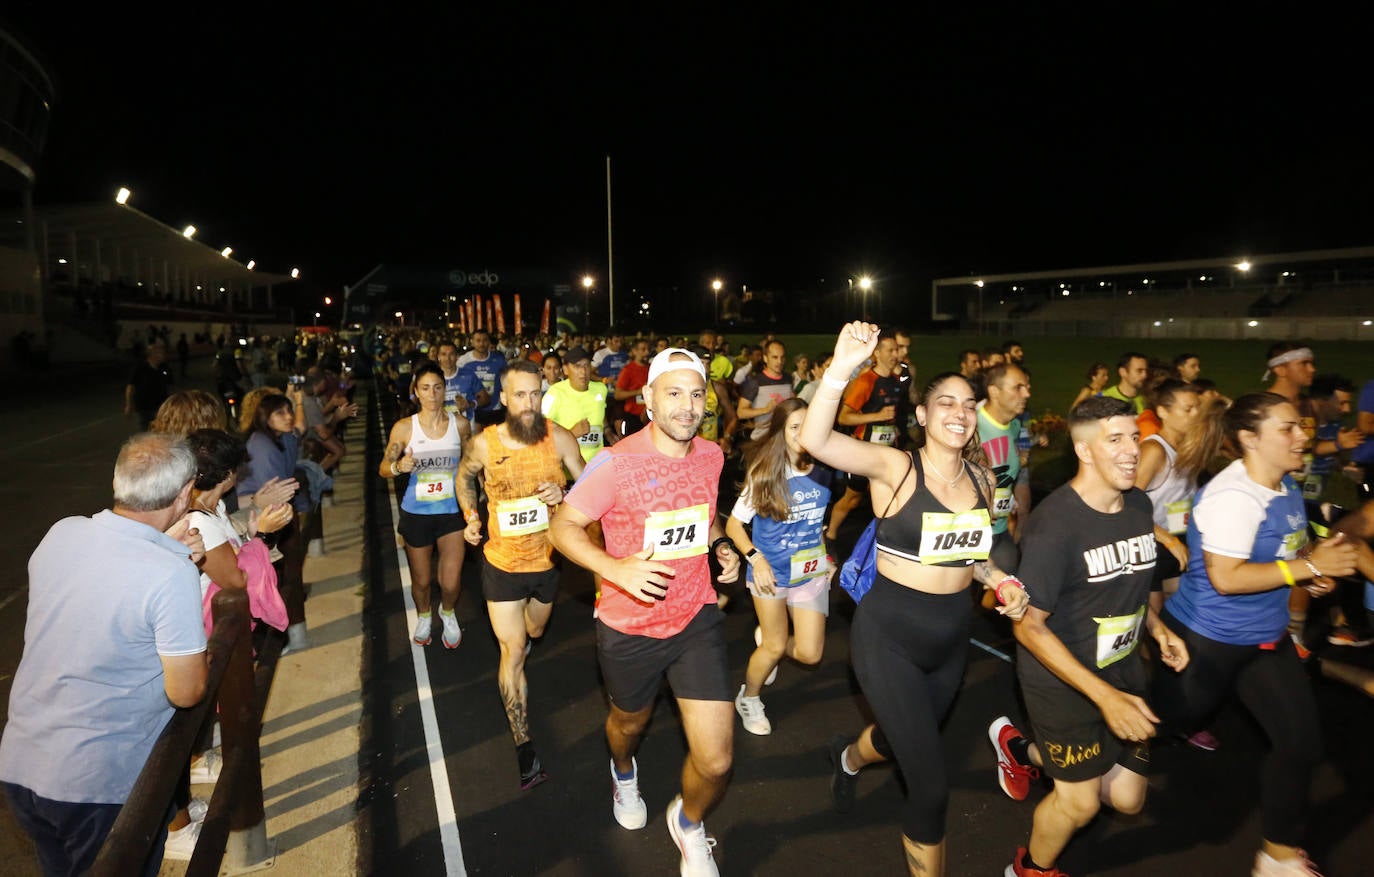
[1058, 367]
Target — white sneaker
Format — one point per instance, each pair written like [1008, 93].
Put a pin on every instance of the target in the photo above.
[750, 709]
[182, 842]
[453, 634]
[626, 805]
[205, 770]
[758, 641]
[694, 844]
[1268, 866]
[421, 635]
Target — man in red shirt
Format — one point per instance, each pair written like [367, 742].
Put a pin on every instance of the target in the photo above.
[655, 496]
[629, 387]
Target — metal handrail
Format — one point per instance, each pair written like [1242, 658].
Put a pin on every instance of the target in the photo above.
[237, 801]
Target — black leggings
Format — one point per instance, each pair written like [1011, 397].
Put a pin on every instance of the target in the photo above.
[1273, 686]
[909, 648]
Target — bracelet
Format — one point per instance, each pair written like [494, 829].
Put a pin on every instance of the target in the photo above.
[471, 516]
[394, 470]
[1316, 573]
[1287, 573]
[833, 383]
[997, 591]
[727, 540]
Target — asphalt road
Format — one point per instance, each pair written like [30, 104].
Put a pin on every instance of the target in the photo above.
[1201, 819]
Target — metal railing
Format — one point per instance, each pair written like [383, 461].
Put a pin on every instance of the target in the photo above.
[235, 828]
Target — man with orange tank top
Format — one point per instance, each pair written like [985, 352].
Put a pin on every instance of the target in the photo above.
[522, 463]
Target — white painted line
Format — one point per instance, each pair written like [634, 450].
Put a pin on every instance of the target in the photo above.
[434, 748]
[991, 651]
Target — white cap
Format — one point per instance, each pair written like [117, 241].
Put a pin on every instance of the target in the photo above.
[664, 362]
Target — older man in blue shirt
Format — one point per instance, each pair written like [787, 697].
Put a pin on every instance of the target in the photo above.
[85, 710]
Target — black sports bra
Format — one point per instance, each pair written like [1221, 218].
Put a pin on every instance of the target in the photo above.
[931, 534]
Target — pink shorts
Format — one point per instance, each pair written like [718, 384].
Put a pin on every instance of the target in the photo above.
[813, 594]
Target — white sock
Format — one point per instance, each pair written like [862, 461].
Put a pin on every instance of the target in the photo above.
[844, 763]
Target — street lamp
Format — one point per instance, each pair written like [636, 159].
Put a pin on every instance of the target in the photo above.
[715, 292]
[587, 282]
[317, 318]
[865, 284]
[122, 197]
[188, 232]
[295, 274]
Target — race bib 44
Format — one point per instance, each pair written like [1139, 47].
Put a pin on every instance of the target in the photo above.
[1117, 636]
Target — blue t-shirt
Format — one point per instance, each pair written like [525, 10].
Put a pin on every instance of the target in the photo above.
[86, 708]
[611, 364]
[267, 461]
[482, 374]
[1235, 517]
[794, 545]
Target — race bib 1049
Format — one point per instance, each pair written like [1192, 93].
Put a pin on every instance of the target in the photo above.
[947, 536]
[678, 533]
[520, 517]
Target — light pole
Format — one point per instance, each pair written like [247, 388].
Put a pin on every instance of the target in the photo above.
[865, 284]
[587, 282]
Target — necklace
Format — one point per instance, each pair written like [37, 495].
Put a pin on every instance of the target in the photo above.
[949, 481]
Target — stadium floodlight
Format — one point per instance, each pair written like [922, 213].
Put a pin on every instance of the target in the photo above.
[1253, 323]
[122, 196]
[295, 274]
[1243, 265]
[1158, 323]
[226, 251]
[587, 281]
[188, 232]
[61, 261]
[1368, 323]
[977, 283]
[866, 283]
[251, 265]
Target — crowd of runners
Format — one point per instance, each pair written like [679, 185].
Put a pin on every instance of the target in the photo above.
[1192, 558]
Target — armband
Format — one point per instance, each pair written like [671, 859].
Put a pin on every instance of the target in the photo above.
[1013, 580]
[1287, 573]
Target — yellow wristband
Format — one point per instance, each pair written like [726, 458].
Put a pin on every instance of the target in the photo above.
[1287, 573]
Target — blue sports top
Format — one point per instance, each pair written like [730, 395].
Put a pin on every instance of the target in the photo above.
[433, 485]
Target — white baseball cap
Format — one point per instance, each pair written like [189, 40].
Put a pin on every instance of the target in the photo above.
[664, 362]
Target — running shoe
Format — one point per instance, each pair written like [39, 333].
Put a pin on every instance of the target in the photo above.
[626, 805]
[197, 809]
[1267, 866]
[750, 710]
[1344, 636]
[1016, 869]
[1204, 740]
[758, 641]
[1013, 776]
[421, 635]
[531, 771]
[842, 782]
[694, 844]
[181, 844]
[1303, 651]
[205, 770]
[453, 634]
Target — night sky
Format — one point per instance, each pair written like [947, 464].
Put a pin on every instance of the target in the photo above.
[769, 147]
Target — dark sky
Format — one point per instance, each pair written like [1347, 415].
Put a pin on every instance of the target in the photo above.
[771, 147]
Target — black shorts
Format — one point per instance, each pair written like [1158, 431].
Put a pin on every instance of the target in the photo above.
[422, 531]
[1075, 743]
[499, 586]
[693, 659]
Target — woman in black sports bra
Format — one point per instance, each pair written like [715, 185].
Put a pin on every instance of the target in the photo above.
[909, 642]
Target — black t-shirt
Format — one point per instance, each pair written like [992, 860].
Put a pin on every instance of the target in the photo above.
[151, 387]
[760, 388]
[1091, 572]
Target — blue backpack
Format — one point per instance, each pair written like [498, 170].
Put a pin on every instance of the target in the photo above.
[858, 572]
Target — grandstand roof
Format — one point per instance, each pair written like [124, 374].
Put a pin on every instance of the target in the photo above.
[115, 225]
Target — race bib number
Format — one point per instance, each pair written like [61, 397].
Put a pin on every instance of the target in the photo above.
[1293, 543]
[947, 537]
[679, 533]
[1178, 514]
[489, 384]
[1117, 636]
[433, 486]
[592, 439]
[1002, 502]
[807, 564]
[1312, 486]
[883, 434]
[520, 517]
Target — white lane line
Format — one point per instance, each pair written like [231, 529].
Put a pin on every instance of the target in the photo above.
[434, 748]
[991, 651]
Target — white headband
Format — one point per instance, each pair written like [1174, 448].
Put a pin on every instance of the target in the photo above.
[1284, 358]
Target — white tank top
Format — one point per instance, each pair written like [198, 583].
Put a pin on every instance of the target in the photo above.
[1170, 492]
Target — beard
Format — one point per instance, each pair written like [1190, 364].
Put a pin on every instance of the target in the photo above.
[529, 428]
[678, 430]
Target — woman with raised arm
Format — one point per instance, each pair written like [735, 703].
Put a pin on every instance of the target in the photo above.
[909, 640]
[428, 446]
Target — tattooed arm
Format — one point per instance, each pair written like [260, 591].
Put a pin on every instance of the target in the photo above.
[394, 459]
[474, 463]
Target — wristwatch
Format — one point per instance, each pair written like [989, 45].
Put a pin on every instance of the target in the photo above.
[750, 555]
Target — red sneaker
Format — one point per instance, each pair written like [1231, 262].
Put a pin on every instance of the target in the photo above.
[1016, 869]
[1013, 776]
